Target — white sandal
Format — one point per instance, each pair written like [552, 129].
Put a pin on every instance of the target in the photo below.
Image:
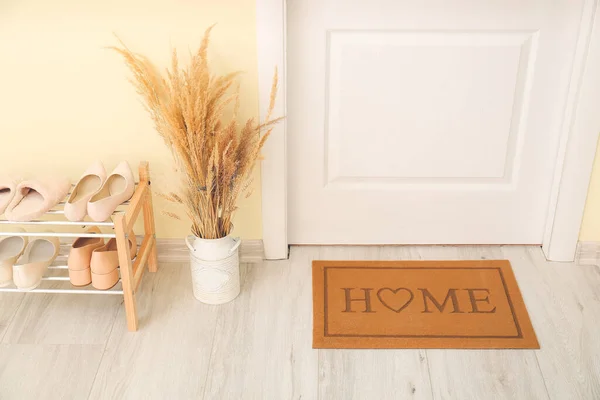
[33, 264]
[11, 248]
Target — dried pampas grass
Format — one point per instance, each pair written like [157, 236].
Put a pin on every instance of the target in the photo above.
[215, 157]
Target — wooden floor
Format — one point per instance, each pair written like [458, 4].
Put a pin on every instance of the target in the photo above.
[259, 346]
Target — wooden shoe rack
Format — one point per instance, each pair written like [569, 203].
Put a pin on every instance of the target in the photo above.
[122, 221]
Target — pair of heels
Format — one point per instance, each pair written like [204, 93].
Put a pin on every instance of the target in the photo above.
[93, 261]
[95, 194]
[98, 195]
[24, 262]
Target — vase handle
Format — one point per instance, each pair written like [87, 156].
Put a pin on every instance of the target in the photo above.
[238, 241]
[187, 242]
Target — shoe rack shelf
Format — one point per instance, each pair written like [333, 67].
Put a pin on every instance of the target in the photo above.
[56, 281]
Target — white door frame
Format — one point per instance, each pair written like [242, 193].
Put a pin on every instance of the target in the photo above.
[574, 160]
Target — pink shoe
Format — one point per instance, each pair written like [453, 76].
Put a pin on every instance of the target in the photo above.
[117, 189]
[105, 263]
[8, 187]
[80, 257]
[89, 184]
[36, 196]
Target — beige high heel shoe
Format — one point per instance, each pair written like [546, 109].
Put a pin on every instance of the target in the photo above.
[89, 184]
[33, 264]
[105, 263]
[80, 258]
[11, 248]
[118, 188]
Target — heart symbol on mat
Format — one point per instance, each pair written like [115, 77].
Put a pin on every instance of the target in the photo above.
[401, 296]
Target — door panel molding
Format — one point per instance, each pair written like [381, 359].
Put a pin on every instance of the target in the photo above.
[578, 137]
[414, 161]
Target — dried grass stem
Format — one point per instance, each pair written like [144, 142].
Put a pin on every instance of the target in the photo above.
[215, 157]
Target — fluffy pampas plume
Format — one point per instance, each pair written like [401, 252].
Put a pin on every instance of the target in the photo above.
[214, 157]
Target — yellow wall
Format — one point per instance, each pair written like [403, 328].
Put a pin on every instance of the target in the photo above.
[65, 99]
[590, 226]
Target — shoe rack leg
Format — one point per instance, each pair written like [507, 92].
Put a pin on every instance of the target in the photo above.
[148, 210]
[126, 273]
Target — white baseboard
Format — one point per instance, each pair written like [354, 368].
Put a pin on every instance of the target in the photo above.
[588, 253]
[175, 250]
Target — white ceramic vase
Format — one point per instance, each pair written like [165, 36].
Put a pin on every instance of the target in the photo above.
[215, 266]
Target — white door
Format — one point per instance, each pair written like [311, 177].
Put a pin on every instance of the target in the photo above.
[425, 121]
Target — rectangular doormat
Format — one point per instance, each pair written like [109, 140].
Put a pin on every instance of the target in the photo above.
[419, 304]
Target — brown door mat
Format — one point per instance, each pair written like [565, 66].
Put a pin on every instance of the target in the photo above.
[419, 304]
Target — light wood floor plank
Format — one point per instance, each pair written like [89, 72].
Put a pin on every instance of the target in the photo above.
[563, 300]
[168, 357]
[52, 372]
[63, 319]
[9, 303]
[262, 348]
[372, 374]
[481, 374]
[485, 374]
[259, 346]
